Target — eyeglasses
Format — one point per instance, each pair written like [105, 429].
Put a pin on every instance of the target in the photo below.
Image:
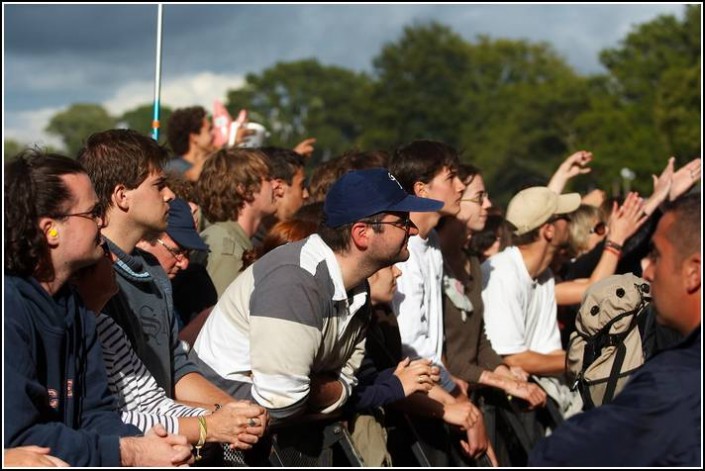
[479, 199]
[178, 254]
[96, 213]
[599, 229]
[404, 223]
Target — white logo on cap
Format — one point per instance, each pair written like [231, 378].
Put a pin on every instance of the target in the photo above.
[391, 177]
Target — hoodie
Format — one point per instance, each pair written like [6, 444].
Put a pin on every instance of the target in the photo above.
[56, 387]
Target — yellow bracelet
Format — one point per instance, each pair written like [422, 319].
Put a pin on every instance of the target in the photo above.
[203, 433]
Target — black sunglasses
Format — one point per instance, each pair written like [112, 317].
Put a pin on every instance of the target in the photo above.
[402, 223]
[599, 229]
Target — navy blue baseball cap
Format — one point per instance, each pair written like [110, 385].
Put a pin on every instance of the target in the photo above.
[181, 226]
[362, 193]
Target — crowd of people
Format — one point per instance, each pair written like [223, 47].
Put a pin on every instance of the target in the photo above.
[167, 310]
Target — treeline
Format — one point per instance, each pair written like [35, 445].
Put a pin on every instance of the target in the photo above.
[516, 108]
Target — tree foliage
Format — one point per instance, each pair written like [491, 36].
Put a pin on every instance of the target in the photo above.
[78, 122]
[10, 149]
[140, 119]
[304, 99]
[648, 105]
[515, 108]
[418, 87]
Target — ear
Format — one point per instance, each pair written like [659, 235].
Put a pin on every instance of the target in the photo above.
[420, 189]
[360, 235]
[278, 187]
[691, 273]
[548, 231]
[50, 231]
[120, 198]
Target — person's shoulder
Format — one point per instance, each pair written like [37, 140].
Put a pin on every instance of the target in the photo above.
[217, 229]
[506, 262]
[11, 288]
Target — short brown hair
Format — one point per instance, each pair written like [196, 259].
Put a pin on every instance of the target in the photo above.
[230, 177]
[421, 161]
[323, 178]
[685, 232]
[120, 157]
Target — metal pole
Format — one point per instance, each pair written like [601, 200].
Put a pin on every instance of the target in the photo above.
[157, 75]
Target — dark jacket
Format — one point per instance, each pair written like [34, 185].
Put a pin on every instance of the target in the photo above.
[56, 386]
[145, 311]
[377, 385]
[654, 421]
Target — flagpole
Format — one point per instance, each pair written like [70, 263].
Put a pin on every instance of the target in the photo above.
[157, 76]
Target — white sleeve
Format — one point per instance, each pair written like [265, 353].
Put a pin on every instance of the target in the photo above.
[504, 316]
[410, 309]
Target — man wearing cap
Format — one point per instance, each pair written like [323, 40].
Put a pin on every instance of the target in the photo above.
[519, 290]
[289, 331]
[656, 420]
[171, 248]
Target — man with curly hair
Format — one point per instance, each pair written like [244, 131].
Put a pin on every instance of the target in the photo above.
[190, 136]
[236, 191]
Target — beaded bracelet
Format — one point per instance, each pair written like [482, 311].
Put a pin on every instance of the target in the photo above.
[614, 245]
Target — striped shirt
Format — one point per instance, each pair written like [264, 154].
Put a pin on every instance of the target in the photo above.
[284, 318]
[141, 401]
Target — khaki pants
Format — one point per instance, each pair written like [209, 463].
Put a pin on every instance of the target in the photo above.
[370, 438]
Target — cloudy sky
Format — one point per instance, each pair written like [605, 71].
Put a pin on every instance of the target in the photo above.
[57, 55]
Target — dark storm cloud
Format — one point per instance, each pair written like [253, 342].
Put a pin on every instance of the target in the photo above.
[56, 55]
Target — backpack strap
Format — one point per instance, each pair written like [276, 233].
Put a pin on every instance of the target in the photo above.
[614, 374]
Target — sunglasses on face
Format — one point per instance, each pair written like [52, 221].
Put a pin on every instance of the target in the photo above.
[402, 223]
[599, 229]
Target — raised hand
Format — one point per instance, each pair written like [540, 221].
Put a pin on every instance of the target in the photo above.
[627, 219]
[305, 147]
[684, 179]
[573, 165]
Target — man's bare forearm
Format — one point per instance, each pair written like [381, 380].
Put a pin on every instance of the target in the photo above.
[549, 364]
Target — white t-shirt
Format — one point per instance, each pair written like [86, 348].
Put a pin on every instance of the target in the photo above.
[520, 313]
[418, 302]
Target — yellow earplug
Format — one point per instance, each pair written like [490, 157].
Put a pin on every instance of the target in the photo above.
[53, 232]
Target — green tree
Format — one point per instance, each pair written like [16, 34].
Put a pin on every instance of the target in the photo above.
[78, 122]
[509, 105]
[10, 149]
[648, 105]
[303, 99]
[418, 87]
[524, 99]
[140, 119]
